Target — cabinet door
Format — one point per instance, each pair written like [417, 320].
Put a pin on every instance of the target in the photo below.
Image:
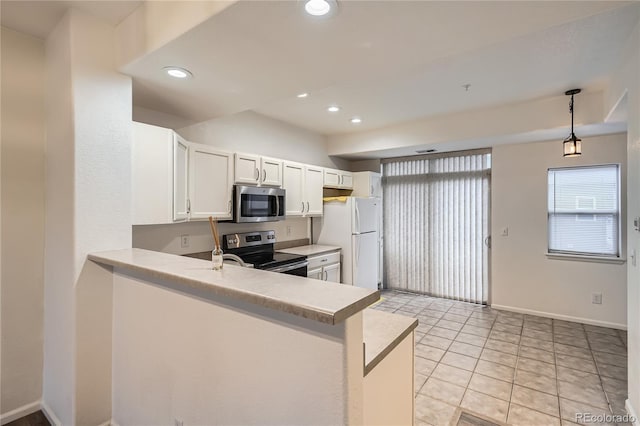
[271, 173]
[346, 180]
[375, 181]
[210, 182]
[332, 273]
[293, 183]
[331, 178]
[180, 178]
[152, 174]
[313, 178]
[316, 274]
[247, 169]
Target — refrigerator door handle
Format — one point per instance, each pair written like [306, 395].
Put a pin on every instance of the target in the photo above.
[357, 219]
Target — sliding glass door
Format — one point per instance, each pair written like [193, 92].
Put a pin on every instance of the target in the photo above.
[436, 224]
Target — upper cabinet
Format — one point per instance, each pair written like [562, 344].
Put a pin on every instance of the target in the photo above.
[159, 175]
[255, 170]
[303, 184]
[367, 184]
[174, 180]
[271, 171]
[210, 182]
[313, 178]
[338, 179]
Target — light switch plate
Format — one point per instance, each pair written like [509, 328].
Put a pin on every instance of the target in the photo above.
[505, 231]
[596, 298]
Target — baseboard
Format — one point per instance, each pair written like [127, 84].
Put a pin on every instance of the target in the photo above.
[50, 415]
[561, 317]
[632, 413]
[19, 412]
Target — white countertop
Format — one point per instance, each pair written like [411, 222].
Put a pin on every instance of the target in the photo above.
[310, 250]
[382, 332]
[317, 300]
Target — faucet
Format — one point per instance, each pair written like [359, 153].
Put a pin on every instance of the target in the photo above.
[233, 257]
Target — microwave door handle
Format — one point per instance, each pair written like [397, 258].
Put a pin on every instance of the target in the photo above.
[277, 206]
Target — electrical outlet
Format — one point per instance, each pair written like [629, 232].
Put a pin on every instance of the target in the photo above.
[288, 230]
[184, 241]
[596, 298]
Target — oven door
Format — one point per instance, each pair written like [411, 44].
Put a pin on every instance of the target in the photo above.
[298, 268]
[255, 204]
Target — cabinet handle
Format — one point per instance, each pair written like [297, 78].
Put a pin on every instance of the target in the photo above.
[229, 206]
[340, 180]
[257, 173]
[188, 206]
[324, 260]
[302, 207]
[326, 275]
[307, 207]
[264, 174]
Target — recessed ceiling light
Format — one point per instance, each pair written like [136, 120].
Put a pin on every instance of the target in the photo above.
[178, 72]
[333, 108]
[356, 120]
[303, 95]
[425, 151]
[317, 7]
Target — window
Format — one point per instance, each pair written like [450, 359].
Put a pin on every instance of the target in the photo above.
[584, 210]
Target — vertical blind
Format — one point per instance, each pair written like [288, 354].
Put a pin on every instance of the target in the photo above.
[436, 220]
[584, 210]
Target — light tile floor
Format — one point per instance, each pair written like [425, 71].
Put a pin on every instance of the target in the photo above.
[509, 367]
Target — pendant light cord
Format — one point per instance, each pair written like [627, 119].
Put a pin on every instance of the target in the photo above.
[571, 111]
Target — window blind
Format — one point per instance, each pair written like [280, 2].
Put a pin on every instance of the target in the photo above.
[584, 210]
[436, 219]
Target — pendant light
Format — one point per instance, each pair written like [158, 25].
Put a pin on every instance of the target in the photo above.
[572, 146]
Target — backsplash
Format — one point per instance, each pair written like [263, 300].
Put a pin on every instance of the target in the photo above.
[167, 238]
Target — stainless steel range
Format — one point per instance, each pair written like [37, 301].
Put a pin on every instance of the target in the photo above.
[258, 249]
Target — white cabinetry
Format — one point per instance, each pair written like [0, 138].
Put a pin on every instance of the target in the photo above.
[367, 184]
[313, 190]
[303, 184]
[325, 267]
[210, 182]
[159, 175]
[338, 179]
[255, 170]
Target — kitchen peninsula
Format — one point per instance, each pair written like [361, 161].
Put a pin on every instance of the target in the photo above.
[243, 346]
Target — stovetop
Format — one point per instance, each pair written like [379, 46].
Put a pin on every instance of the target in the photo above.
[269, 260]
[258, 248]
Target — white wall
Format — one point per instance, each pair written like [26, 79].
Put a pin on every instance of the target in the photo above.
[23, 124]
[159, 118]
[88, 208]
[167, 238]
[220, 361]
[255, 133]
[522, 277]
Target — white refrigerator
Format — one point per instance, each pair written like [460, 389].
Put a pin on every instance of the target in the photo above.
[354, 226]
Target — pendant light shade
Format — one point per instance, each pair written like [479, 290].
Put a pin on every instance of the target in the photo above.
[572, 146]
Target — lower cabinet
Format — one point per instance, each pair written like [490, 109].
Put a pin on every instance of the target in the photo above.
[325, 267]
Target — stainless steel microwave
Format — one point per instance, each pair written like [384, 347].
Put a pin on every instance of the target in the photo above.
[258, 204]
